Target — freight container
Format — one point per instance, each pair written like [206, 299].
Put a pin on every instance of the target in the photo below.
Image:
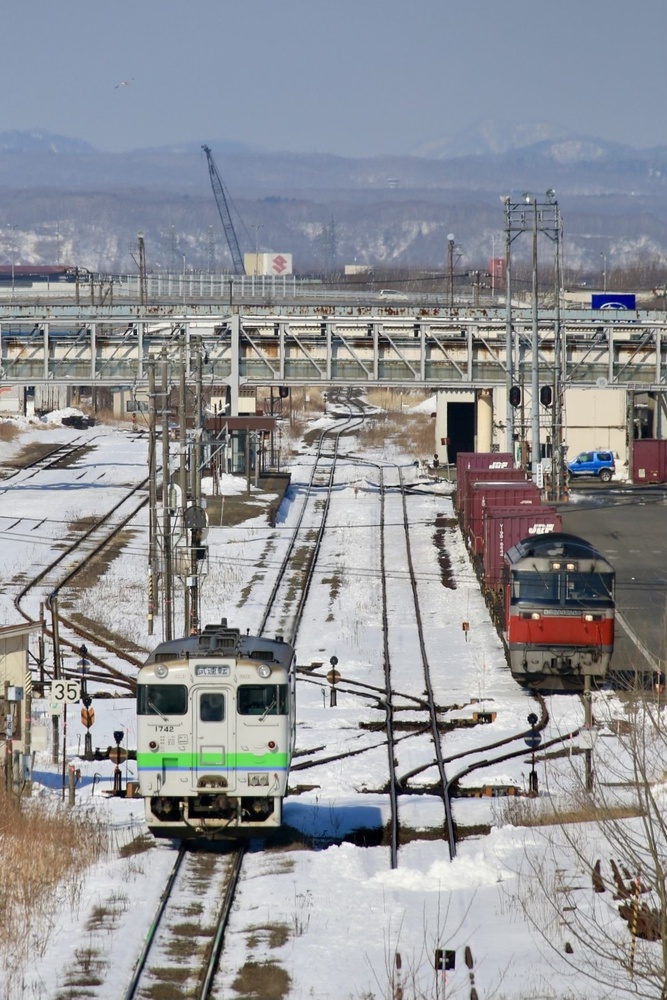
[467, 460]
[649, 460]
[505, 526]
[486, 476]
[497, 494]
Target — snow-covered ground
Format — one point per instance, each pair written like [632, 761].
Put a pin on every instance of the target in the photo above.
[347, 916]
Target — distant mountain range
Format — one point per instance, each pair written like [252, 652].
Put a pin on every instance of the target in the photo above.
[62, 199]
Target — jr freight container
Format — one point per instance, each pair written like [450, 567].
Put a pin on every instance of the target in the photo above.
[486, 476]
[467, 460]
[505, 526]
[492, 494]
[649, 460]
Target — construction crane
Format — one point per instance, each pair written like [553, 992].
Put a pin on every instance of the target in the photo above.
[225, 216]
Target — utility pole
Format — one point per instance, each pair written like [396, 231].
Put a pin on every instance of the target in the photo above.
[558, 477]
[152, 500]
[530, 215]
[167, 575]
[509, 328]
[535, 456]
[197, 525]
[450, 269]
[183, 474]
[143, 291]
[53, 603]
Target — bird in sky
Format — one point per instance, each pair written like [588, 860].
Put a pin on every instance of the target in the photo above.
[124, 83]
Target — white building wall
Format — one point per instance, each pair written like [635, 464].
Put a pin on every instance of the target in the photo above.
[593, 418]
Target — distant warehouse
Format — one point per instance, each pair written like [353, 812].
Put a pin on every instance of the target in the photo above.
[267, 263]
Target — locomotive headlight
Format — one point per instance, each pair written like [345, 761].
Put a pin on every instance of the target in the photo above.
[271, 745]
[264, 670]
[535, 616]
[161, 670]
[152, 745]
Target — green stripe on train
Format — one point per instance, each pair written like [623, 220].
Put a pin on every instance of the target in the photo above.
[231, 762]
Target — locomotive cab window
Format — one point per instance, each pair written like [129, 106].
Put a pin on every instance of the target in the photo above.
[597, 588]
[162, 699]
[536, 587]
[262, 699]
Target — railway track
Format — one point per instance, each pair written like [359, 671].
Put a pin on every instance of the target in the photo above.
[60, 573]
[413, 727]
[285, 605]
[184, 942]
[59, 457]
[404, 646]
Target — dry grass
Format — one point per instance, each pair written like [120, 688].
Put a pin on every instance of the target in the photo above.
[412, 433]
[44, 849]
[8, 431]
[31, 452]
[305, 400]
[391, 400]
[528, 812]
[144, 842]
[263, 981]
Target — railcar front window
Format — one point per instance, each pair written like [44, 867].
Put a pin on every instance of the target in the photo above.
[262, 699]
[589, 588]
[211, 706]
[535, 587]
[162, 699]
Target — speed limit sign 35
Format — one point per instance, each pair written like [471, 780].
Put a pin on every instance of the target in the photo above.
[65, 691]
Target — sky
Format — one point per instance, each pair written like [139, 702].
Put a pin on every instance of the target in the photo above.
[352, 78]
[346, 912]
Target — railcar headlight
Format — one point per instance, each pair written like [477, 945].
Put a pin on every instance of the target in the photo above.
[161, 671]
[264, 670]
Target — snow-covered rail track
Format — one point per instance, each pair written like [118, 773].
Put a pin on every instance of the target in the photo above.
[184, 942]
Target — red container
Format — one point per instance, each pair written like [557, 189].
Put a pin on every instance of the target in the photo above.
[468, 460]
[505, 526]
[497, 494]
[486, 476]
[649, 460]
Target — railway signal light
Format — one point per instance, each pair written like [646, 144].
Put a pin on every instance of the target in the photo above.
[445, 959]
[515, 395]
[546, 395]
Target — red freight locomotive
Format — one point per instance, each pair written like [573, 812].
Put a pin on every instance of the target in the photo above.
[551, 594]
[559, 611]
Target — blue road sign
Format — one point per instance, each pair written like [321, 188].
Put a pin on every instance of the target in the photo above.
[613, 300]
[533, 739]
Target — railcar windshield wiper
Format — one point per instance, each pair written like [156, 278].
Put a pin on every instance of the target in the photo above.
[157, 710]
[266, 711]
